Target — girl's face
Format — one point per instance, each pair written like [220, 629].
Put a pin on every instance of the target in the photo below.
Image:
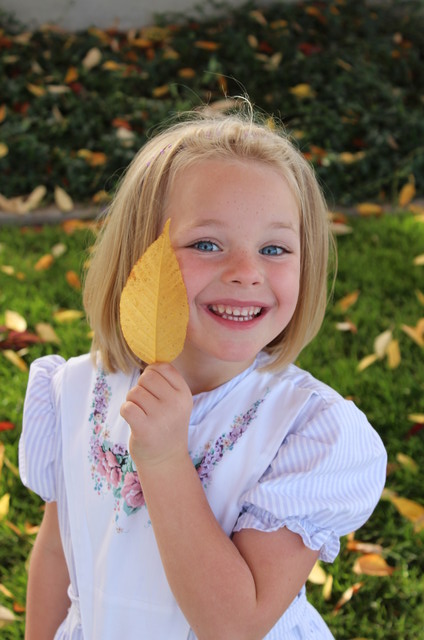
[236, 234]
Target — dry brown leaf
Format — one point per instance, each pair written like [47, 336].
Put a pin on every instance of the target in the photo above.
[406, 194]
[347, 595]
[372, 564]
[382, 342]
[15, 359]
[364, 547]
[34, 199]
[393, 354]
[92, 58]
[369, 209]
[63, 201]
[348, 301]
[44, 263]
[68, 315]
[367, 362]
[14, 321]
[154, 308]
[46, 332]
[73, 280]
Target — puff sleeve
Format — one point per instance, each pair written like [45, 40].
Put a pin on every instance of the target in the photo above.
[40, 441]
[325, 480]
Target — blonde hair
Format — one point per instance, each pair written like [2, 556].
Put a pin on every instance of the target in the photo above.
[135, 216]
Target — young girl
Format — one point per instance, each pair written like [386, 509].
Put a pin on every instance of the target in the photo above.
[194, 499]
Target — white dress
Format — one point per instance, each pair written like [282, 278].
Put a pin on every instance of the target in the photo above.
[271, 450]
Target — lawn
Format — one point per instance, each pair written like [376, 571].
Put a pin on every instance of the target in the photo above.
[347, 80]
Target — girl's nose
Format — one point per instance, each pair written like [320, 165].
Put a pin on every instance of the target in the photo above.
[243, 268]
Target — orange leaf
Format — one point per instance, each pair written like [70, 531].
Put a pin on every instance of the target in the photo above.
[369, 209]
[372, 564]
[406, 194]
[186, 72]
[2, 112]
[364, 547]
[73, 280]
[158, 92]
[45, 262]
[207, 45]
[71, 75]
[348, 301]
[347, 595]
[411, 510]
[18, 608]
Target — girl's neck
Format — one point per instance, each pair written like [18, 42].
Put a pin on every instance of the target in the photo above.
[202, 377]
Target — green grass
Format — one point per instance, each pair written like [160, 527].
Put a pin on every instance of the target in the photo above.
[377, 259]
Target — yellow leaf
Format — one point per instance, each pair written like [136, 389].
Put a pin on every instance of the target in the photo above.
[407, 461]
[14, 321]
[112, 65]
[367, 362]
[46, 332]
[348, 301]
[36, 90]
[207, 45]
[158, 92]
[4, 150]
[411, 510]
[393, 354]
[71, 75]
[419, 260]
[68, 315]
[420, 297]
[92, 58]
[406, 194]
[5, 591]
[63, 200]
[258, 16]
[154, 308]
[186, 72]
[416, 417]
[6, 616]
[44, 263]
[372, 564]
[369, 209]
[15, 359]
[381, 343]
[327, 587]
[414, 334]
[4, 505]
[317, 575]
[302, 91]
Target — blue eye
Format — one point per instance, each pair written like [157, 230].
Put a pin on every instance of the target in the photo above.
[205, 245]
[272, 250]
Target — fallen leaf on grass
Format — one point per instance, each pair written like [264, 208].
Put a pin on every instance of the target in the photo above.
[409, 509]
[348, 301]
[347, 595]
[92, 58]
[347, 326]
[419, 260]
[15, 359]
[317, 575]
[364, 547]
[5, 591]
[415, 333]
[328, 587]
[44, 263]
[372, 564]
[6, 616]
[381, 343]
[73, 280]
[13, 320]
[18, 607]
[68, 315]
[369, 209]
[63, 200]
[59, 249]
[407, 461]
[31, 529]
[393, 354]
[367, 361]
[4, 150]
[4, 505]
[420, 296]
[416, 417]
[46, 333]
[5, 425]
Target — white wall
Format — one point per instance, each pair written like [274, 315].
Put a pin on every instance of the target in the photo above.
[78, 14]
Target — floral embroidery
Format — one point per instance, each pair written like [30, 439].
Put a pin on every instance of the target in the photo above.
[112, 468]
[214, 452]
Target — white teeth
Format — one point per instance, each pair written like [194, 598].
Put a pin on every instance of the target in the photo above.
[238, 314]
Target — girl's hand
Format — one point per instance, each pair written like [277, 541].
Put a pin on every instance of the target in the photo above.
[158, 411]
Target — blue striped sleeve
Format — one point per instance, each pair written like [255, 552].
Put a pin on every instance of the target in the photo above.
[38, 444]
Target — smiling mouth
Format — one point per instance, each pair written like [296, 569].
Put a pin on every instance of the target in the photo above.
[236, 314]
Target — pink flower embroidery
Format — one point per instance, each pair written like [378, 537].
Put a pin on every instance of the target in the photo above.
[132, 491]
